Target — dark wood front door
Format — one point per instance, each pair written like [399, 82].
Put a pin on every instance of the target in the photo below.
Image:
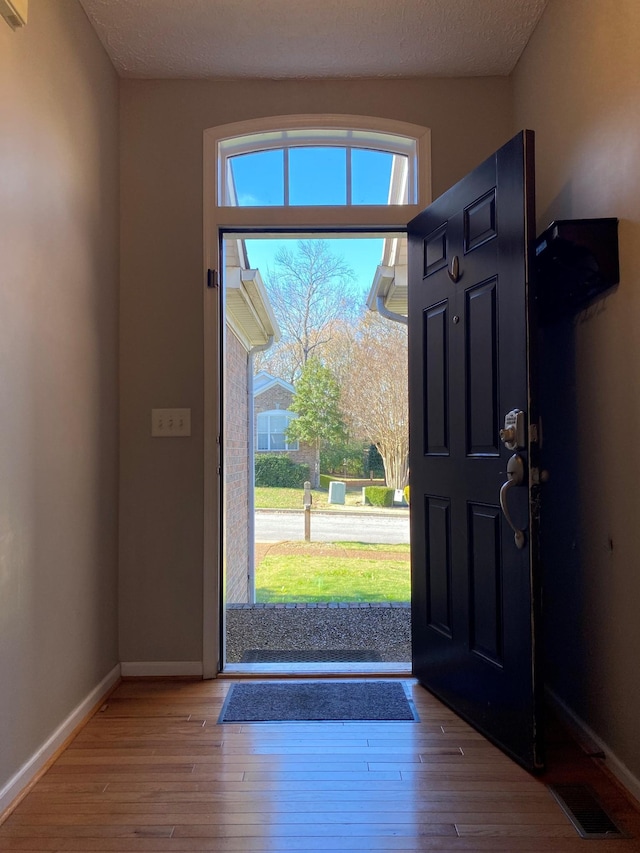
[471, 327]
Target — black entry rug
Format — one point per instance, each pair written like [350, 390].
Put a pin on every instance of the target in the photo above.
[316, 701]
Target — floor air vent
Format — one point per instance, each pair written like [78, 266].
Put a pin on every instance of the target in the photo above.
[585, 812]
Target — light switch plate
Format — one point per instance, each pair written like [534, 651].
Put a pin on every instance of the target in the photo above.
[170, 423]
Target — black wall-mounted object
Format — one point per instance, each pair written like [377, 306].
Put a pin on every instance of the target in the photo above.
[576, 262]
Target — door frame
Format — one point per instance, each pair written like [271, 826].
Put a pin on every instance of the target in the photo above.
[216, 220]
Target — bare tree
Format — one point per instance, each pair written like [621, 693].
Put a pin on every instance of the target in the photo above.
[337, 354]
[375, 393]
[312, 292]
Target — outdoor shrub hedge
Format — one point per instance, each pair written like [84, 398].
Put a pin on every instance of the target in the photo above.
[325, 479]
[333, 458]
[379, 495]
[274, 470]
[374, 462]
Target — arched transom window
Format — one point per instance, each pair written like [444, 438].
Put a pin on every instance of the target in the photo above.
[317, 167]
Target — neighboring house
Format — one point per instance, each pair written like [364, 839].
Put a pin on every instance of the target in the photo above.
[272, 399]
[250, 326]
[102, 316]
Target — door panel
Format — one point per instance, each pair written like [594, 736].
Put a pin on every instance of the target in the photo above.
[439, 564]
[436, 321]
[485, 575]
[481, 369]
[471, 320]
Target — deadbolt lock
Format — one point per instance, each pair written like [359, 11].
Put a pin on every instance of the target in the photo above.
[513, 435]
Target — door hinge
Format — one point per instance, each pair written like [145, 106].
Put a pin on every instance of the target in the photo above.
[212, 278]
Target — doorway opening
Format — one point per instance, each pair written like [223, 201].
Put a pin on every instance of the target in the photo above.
[371, 176]
[315, 579]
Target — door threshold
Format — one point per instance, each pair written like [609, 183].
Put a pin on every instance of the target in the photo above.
[317, 670]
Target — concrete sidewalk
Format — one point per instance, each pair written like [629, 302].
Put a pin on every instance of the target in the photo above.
[389, 512]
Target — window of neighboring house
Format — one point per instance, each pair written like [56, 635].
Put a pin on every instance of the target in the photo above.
[318, 167]
[272, 428]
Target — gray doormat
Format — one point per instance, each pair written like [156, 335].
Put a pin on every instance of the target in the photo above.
[311, 656]
[316, 700]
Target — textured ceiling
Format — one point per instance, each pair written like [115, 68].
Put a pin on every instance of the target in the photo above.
[313, 38]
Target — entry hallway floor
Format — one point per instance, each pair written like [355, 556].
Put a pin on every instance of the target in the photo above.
[152, 771]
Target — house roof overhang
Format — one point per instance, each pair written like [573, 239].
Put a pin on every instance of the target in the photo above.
[263, 381]
[389, 290]
[388, 293]
[248, 310]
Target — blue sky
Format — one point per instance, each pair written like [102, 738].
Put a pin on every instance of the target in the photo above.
[362, 254]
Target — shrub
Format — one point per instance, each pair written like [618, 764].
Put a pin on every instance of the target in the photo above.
[274, 470]
[378, 495]
[374, 462]
[325, 479]
[332, 460]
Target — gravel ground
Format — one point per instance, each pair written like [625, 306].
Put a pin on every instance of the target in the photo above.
[383, 627]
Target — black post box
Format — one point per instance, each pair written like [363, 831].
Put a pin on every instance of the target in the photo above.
[576, 262]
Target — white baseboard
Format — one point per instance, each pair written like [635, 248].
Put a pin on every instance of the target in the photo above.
[585, 735]
[161, 668]
[32, 767]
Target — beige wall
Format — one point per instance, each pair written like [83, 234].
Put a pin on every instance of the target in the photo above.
[58, 373]
[162, 123]
[578, 86]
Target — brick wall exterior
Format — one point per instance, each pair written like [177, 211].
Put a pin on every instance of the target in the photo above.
[275, 397]
[278, 397]
[236, 472]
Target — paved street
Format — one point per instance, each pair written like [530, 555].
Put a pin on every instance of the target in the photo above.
[332, 527]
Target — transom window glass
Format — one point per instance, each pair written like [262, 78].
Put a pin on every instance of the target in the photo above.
[317, 176]
[269, 190]
[321, 167]
[272, 427]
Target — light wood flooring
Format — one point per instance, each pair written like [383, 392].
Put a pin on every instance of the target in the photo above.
[152, 771]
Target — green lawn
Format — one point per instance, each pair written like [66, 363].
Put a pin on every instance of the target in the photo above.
[369, 546]
[268, 497]
[283, 578]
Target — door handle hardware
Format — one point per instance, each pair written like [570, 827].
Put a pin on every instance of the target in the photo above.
[513, 434]
[515, 477]
[454, 272]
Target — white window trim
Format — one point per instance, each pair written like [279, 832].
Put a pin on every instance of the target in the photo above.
[288, 448]
[216, 219]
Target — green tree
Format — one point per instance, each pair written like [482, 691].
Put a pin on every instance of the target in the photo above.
[316, 401]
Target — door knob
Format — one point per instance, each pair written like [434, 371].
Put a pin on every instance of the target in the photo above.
[515, 477]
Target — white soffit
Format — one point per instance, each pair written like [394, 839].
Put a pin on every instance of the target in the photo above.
[390, 285]
[248, 309]
[313, 38]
